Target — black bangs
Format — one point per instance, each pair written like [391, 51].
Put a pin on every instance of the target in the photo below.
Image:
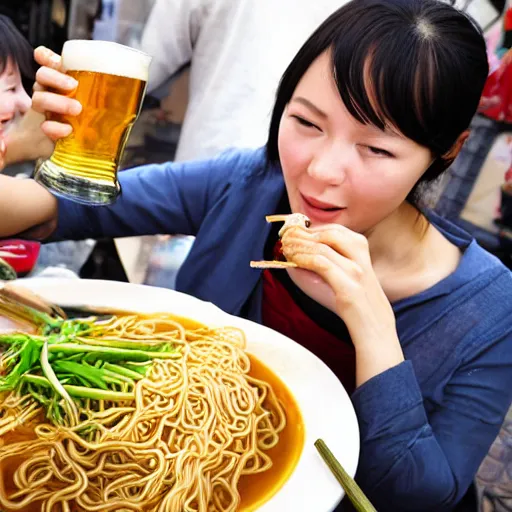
[15, 47]
[415, 66]
[411, 70]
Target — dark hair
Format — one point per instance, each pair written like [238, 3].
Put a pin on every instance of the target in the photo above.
[427, 64]
[15, 47]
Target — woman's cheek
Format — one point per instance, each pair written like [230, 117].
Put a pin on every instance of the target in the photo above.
[376, 190]
[6, 107]
[294, 151]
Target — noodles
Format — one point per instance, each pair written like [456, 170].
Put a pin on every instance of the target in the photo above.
[198, 422]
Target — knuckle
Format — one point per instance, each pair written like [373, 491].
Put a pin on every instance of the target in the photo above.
[361, 241]
[291, 249]
[324, 251]
[321, 262]
[36, 99]
[287, 251]
[357, 273]
[285, 237]
[345, 300]
[294, 232]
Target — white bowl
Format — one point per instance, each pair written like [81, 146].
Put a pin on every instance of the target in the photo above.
[325, 406]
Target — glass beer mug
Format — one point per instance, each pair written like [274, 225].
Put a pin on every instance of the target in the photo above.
[112, 82]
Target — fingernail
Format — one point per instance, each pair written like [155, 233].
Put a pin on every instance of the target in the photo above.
[71, 83]
[75, 108]
[55, 59]
[69, 131]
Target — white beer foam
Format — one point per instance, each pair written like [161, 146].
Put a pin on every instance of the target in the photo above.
[105, 57]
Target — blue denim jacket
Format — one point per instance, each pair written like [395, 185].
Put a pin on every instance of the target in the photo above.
[425, 424]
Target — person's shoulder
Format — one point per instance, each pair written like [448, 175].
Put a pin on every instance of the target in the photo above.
[485, 301]
[228, 167]
[243, 156]
[476, 261]
[242, 164]
[481, 283]
[488, 280]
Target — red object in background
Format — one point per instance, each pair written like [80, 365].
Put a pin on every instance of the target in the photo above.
[496, 102]
[507, 20]
[20, 254]
[508, 175]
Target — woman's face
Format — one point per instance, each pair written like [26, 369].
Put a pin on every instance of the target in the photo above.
[14, 101]
[336, 169]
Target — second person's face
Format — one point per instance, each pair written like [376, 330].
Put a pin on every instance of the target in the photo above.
[14, 101]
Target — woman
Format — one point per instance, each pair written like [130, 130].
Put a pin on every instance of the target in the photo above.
[21, 137]
[411, 314]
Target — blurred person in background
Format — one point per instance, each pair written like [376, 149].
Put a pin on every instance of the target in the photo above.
[237, 51]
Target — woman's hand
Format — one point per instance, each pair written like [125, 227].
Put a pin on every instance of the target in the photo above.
[52, 93]
[336, 270]
[26, 140]
[33, 136]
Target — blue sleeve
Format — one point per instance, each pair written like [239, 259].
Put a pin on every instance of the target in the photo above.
[411, 460]
[171, 198]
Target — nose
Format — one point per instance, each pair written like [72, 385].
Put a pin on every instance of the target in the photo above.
[23, 101]
[330, 164]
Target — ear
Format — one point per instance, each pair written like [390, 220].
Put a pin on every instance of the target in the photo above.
[455, 150]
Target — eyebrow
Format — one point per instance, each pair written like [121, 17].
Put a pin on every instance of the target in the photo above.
[310, 105]
[299, 99]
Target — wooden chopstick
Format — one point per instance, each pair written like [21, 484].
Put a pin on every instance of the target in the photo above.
[273, 264]
[353, 491]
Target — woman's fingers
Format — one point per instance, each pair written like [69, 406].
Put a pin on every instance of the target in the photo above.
[341, 239]
[320, 258]
[343, 276]
[344, 241]
[48, 77]
[50, 102]
[46, 57]
[55, 130]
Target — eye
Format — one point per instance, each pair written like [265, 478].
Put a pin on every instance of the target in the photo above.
[379, 152]
[305, 122]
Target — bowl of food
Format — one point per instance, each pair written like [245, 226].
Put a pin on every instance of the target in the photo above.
[143, 398]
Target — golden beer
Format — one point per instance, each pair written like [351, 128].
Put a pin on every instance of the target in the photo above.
[111, 85]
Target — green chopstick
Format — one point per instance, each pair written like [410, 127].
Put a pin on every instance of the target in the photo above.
[353, 491]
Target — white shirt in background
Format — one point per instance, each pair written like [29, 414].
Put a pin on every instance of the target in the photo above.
[238, 51]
